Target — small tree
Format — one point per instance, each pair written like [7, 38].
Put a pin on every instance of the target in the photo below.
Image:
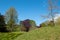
[25, 25]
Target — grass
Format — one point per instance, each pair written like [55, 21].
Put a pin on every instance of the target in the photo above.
[9, 36]
[43, 33]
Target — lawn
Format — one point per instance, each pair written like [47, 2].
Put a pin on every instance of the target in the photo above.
[9, 36]
[43, 33]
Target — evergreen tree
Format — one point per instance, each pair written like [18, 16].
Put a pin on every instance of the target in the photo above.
[2, 24]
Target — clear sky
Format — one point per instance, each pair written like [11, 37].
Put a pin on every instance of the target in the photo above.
[27, 9]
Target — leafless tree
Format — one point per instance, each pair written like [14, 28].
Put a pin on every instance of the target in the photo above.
[52, 8]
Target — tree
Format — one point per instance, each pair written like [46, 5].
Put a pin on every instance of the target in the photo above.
[27, 25]
[2, 24]
[57, 21]
[22, 26]
[11, 18]
[52, 7]
[53, 10]
[33, 24]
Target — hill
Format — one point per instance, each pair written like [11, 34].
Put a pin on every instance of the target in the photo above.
[44, 33]
[9, 36]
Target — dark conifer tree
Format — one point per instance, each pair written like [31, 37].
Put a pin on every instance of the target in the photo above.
[2, 24]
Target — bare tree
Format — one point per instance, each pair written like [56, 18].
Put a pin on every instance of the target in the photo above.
[52, 8]
[52, 5]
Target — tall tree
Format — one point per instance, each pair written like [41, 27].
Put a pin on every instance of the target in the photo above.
[52, 8]
[2, 24]
[11, 18]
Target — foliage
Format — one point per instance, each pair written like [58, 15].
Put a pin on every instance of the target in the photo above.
[57, 21]
[11, 18]
[43, 25]
[22, 28]
[27, 25]
[33, 25]
[2, 24]
[51, 23]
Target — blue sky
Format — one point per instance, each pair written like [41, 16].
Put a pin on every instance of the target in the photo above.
[27, 9]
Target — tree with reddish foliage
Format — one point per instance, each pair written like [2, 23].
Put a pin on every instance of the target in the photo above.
[26, 24]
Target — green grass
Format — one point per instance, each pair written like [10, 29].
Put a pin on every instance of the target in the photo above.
[43, 33]
[9, 36]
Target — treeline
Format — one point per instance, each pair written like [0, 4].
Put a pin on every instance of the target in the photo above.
[9, 22]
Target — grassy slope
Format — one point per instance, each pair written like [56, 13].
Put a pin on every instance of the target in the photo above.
[9, 36]
[44, 33]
